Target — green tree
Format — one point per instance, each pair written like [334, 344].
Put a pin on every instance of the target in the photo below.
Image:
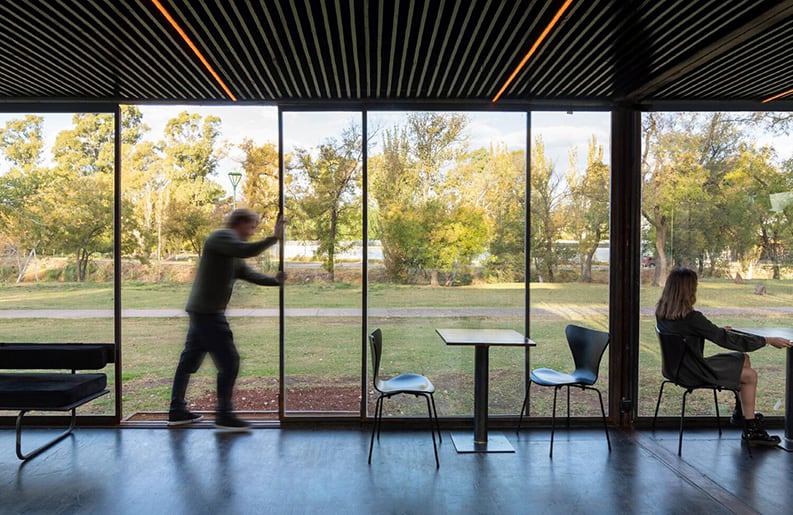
[493, 181]
[143, 188]
[415, 209]
[687, 197]
[757, 223]
[589, 207]
[76, 203]
[192, 199]
[391, 184]
[326, 191]
[260, 180]
[545, 207]
[22, 143]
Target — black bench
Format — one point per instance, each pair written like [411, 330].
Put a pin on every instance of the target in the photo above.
[41, 390]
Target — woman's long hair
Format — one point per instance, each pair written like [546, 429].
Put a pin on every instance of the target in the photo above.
[679, 296]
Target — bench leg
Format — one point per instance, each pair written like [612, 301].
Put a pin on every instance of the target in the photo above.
[46, 446]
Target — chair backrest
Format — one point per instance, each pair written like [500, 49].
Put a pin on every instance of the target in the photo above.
[587, 346]
[376, 346]
[682, 366]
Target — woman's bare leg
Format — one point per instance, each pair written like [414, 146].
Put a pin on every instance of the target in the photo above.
[748, 388]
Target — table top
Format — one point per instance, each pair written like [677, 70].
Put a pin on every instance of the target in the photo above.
[781, 332]
[501, 337]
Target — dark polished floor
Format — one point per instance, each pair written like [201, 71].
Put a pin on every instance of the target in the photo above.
[282, 471]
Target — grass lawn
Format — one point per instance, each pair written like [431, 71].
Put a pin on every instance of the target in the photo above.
[326, 352]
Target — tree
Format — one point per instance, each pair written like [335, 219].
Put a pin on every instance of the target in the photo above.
[677, 151]
[758, 223]
[76, 203]
[260, 184]
[546, 198]
[706, 192]
[589, 207]
[191, 198]
[22, 143]
[493, 181]
[415, 208]
[327, 192]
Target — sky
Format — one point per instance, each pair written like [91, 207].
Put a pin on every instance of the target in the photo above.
[559, 130]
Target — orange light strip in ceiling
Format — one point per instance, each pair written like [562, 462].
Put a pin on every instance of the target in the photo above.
[534, 48]
[783, 94]
[194, 49]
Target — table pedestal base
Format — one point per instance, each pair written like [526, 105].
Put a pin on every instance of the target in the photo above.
[786, 444]
[496, 442]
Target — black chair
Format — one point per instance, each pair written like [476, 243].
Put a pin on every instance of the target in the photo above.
[676, 356]
[587, 347]
[413, 384]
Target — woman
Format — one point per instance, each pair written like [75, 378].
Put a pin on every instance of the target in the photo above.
[675, 314]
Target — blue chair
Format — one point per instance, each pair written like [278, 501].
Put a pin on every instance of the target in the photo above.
[413, 384]
[587, 347]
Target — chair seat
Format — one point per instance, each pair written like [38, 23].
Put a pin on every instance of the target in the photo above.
[550, 377]
[406, 383]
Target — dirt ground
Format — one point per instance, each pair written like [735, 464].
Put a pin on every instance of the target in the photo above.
[262, 395]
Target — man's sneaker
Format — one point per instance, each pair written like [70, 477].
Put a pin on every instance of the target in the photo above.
[182, 417]
[231, 424]
[754, 434]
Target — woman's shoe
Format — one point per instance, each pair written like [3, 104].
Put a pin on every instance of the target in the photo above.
[754, 434]
[736, 418]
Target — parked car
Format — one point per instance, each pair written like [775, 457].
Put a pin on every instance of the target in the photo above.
[648, 261]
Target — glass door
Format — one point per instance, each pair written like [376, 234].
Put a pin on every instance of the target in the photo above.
[323, 261]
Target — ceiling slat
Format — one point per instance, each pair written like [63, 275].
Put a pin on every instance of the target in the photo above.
[394, 52]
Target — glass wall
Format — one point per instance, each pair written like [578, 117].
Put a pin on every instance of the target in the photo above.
[444, 244]
[569, 245]
[185, 168]
[716, 198]
[446, 238]
[323, 260]
[56, 231]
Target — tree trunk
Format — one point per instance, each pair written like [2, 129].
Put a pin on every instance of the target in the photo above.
[661, 261]
[82, 264]
[330, 264]
[586, 269]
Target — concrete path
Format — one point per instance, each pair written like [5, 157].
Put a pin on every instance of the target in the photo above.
[417, 312]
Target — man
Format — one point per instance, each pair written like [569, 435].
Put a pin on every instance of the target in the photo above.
[221, 263]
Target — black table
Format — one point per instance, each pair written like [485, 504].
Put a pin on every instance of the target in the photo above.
[482, 340]
[781, 332]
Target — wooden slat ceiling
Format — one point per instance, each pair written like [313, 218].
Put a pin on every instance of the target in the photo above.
[730, 53]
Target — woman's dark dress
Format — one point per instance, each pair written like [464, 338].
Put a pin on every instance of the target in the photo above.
[725, 366]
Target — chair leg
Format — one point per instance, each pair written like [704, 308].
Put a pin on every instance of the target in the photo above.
[374, 426]
[658, 403]
[380, 418]
[437, 424]
[523, 409]
[603, 412]
[553, 419]
[568, 406]
[432, 432]
[22, 456]
[718, 418]
[682, 416]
